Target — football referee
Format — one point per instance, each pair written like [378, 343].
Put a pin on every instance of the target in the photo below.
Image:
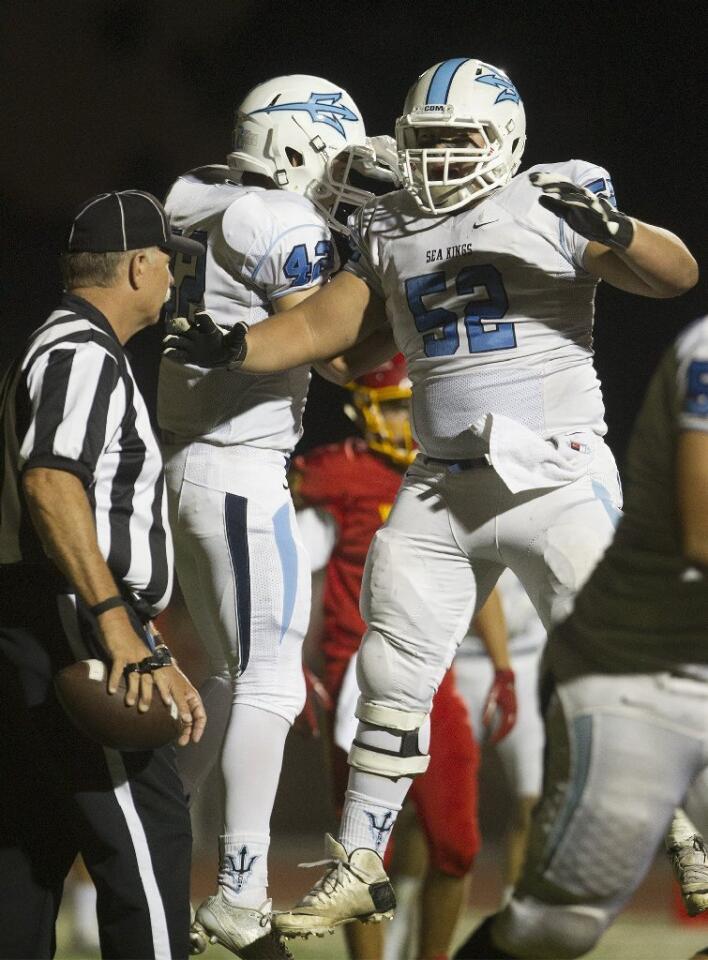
[85, 562]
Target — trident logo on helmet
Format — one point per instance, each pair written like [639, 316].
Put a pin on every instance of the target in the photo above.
[322, 108]
[508, 90]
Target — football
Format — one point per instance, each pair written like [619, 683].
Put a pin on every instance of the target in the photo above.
[82, 690]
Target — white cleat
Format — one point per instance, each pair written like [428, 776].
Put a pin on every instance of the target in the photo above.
[690, 862]
[355, 887]
[245, 931]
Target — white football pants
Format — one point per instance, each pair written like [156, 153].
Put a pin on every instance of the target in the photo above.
[447, 539]
[242, 567]
[622, 752]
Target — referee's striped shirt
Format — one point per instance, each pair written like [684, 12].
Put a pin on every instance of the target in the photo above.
[71, 403]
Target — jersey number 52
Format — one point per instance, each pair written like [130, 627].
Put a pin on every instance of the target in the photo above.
[482, 297]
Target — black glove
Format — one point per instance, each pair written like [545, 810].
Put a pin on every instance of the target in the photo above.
[589, 214]
[202, 342]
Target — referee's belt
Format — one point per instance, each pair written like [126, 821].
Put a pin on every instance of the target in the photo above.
[458, 466]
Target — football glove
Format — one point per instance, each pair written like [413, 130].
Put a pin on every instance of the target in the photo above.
[589, 214]
[499, 713]
[204, 343]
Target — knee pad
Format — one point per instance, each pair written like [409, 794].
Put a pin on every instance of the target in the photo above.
[389, 674]
[390, 742]
[529, 928]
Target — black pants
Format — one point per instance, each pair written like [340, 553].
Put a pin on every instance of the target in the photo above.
[61, 794]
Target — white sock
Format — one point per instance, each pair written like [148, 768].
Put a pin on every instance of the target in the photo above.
[243, 869]
[251, 760]
[366, 823]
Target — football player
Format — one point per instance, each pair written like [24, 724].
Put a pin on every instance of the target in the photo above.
[626, 689]
[487, 281]
[346, 491]
[265, 220]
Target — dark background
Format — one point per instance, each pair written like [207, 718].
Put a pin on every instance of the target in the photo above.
[110, 94]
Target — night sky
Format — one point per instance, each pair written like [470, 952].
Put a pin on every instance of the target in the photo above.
[117, 94]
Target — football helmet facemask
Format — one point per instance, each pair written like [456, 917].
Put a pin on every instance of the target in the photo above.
[305, 134]
[461, 135]
[380, 402]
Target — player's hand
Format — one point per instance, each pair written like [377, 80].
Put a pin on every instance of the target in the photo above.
[317, 701]
[499, 713]
[589, 214]
[175, 688]
[204, 343]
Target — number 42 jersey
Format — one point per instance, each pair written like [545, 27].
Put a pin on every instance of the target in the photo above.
[491, 307]
[260, 245]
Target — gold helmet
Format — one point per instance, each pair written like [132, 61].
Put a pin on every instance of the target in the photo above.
[380, 401]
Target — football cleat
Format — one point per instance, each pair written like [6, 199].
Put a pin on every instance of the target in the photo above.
[355, 887]
[689, 860]
[245, 931]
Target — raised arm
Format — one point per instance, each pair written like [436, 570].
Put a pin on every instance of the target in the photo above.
[655, 264]
[339, 315]
[365, 355]
[330, 322]
[633, 256]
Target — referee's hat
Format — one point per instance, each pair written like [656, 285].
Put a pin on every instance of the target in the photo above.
[125, 220]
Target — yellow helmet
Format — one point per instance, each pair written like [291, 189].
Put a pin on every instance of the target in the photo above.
[386, 384]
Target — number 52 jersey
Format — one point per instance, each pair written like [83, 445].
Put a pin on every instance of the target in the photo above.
[260, 245]
[491, 307]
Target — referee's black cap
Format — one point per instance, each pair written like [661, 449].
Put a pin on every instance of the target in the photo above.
[125, 220]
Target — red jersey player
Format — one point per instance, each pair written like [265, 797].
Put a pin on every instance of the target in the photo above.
[350, 487]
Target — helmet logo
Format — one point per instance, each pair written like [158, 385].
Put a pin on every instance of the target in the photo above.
[322, 108]
[507, 88]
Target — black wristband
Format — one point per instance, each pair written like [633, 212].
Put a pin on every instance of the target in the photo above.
[108, 604]
[160, 657]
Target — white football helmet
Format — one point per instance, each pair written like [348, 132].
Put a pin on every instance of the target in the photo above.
[292, 129]
[465, 95]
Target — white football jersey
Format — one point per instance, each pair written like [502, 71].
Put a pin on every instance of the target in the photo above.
[260, 245]
[491, 307]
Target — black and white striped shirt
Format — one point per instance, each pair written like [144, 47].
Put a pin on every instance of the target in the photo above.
[71, 403]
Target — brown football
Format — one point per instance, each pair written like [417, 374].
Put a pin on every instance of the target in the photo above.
[82, 690]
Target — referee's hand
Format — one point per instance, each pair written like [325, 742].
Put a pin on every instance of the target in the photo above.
[175, 688]
[204, 343]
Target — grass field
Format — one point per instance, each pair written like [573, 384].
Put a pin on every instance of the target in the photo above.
[647, 930]
[633, 937]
